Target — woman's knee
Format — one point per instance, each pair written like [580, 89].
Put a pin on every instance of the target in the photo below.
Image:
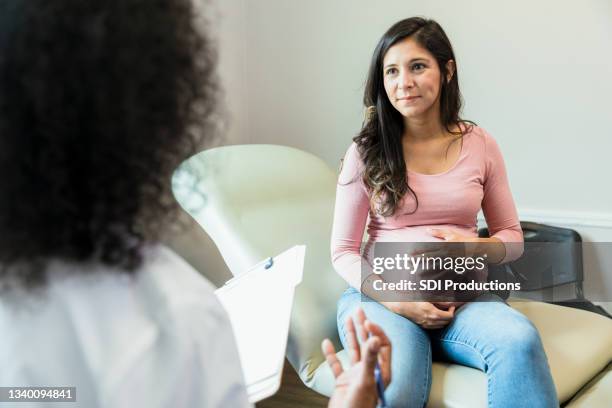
[411, 365]
[502, 326]
[527, 339]
[411, 378]
[520, 338]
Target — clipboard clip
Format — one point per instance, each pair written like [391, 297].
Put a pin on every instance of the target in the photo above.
[269, 263]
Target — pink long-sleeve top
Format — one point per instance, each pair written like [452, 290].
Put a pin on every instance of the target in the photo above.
[451, 199]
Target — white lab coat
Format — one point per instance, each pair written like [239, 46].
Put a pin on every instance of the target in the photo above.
[156, 339]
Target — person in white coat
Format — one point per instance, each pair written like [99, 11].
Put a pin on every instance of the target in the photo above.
[99, 102]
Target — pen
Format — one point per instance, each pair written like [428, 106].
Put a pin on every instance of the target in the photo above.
[380, 388]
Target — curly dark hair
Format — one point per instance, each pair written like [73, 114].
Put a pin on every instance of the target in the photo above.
[379, 141]
[99, 103]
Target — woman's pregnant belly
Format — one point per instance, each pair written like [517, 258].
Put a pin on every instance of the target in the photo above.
[418, 233]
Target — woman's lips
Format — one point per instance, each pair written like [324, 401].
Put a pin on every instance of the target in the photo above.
[407, 99]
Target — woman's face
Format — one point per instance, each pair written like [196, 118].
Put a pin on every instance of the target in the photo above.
[412, 79]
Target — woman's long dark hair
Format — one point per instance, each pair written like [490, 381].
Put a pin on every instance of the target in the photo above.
[99, 102]
[380, 140]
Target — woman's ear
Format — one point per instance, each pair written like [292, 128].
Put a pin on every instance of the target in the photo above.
[450, 70]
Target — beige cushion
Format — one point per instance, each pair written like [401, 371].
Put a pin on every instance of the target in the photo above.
[597, 394]
[578, 345]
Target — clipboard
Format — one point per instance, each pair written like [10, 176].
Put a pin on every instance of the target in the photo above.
[259, 304]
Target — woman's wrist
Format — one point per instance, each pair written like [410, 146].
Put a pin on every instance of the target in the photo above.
[391, 306]
[493, 249]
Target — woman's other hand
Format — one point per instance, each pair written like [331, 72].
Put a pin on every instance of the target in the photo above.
[425, 314]
[448, 305]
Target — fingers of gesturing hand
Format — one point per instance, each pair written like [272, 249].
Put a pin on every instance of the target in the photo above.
[330, 356]
[353, 343]
[361, 330]
[376, 330]
[384, 354]
[369, 351]
[367, 345]
[357, 334]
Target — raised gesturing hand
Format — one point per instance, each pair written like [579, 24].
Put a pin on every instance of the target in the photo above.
[356, 386]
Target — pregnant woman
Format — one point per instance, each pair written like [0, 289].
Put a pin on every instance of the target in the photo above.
[417, 172]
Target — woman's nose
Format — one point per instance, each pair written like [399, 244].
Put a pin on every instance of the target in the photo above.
[405, 80]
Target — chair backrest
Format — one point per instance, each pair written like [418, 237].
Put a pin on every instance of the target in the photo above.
[552, 257]
[258, 200]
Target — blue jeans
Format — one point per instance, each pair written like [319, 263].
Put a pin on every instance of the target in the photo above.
[489, 336]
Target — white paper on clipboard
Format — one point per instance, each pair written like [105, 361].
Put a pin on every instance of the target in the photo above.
[259, 304]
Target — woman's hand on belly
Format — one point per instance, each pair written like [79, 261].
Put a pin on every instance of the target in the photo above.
[492, 248]
[463, 245]
[425, 314]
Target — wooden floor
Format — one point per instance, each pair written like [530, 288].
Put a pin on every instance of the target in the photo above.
[293, 393]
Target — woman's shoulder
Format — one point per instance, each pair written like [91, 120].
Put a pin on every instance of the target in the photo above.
[480, 139]
[474, 131]
[352, 163]
[352, 152]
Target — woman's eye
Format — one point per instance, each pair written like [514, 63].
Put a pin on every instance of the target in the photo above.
[390, 71]
[418, 67]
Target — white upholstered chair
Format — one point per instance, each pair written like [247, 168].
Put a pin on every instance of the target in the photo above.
[262, 199]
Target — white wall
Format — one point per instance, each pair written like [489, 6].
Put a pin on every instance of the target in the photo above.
[537, 75]
[227, 20]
